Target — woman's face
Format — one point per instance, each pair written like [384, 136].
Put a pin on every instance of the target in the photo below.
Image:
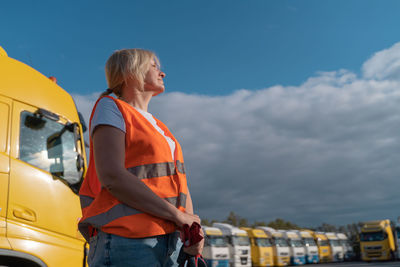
[153, 81]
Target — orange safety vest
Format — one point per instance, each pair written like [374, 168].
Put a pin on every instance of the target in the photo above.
[148, 157]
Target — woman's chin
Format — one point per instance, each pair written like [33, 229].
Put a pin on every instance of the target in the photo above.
[158, 92]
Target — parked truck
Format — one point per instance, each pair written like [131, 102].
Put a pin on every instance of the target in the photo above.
[377, 241]
[261, 247]
[324, 249]
[238, 243]
[310, 246]
[336, 248]
[215, 251]
[42, 162]
[347, 248]
[397, 238]
[296, 248]
[280, 246]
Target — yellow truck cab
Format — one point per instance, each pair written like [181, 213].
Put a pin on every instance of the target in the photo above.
[377, 241]
[42, 162]
[261, 247]
[280, 246]
[324, 249]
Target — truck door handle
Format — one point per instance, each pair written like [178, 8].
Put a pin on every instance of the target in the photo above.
[24, 214]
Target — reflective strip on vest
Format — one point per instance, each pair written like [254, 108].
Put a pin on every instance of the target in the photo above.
[157, 169]
[121, 210]
[149, 171]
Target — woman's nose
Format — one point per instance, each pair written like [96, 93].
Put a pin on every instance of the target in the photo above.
[162, 74]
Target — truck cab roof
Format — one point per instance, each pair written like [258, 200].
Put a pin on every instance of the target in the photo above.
[228, 229]
[25, 84]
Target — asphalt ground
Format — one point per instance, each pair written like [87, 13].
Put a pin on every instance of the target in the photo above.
[358, 264]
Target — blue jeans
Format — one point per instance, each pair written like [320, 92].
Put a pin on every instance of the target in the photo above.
[112, 250]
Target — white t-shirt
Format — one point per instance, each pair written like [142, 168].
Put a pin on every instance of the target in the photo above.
[107, 113]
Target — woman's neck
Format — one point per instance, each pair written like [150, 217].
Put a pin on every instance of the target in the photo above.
[136, 99]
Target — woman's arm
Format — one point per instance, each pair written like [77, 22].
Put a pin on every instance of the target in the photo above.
[109, 156]
[189, 203]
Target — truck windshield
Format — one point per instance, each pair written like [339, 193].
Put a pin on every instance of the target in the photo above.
[240, 241]
[295, 243]
[309, 242]
[263, 242]
[281, 242]
[372, 236]
[346, 244]
[334, 243]
[51, 146]
[216, 241]
[323, 243]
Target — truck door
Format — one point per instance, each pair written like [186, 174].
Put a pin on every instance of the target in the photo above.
[44, 176]
[5, 105]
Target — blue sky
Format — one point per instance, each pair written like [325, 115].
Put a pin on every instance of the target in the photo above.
[207, 47]
[291, 107]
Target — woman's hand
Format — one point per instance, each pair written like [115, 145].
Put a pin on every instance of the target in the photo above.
[186, 218]
[196, 248]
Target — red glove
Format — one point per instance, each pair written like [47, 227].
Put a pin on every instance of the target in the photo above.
[191, 235]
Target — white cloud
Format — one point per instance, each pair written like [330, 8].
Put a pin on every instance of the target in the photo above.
[324, 151]
[384, 64]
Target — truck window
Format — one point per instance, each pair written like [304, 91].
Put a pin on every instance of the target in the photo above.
[280, 242]
[263, 242]
[216, 241]
[50, 146]
[323, 243]
[334, 243]
[309, 242]
[240, 241]
[372, 236]
[296, 243]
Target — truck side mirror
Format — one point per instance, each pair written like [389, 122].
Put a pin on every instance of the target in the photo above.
[34, 122]
[82, 121]
[55, 151]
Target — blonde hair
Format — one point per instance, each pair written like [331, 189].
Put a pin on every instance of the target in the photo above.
[127, 63]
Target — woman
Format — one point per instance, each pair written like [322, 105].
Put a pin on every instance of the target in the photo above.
[135, 194]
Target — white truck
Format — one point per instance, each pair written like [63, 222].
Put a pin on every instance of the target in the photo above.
[296, 247]
[281, 247]
[238, 243]
[215, 251]
[348, 252]
[336, 247]
[312, 255]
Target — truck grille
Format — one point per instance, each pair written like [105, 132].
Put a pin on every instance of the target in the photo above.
[374, 254]
[372, 247]
[223, 256]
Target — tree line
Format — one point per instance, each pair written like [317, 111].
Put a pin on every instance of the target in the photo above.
[281, 224]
